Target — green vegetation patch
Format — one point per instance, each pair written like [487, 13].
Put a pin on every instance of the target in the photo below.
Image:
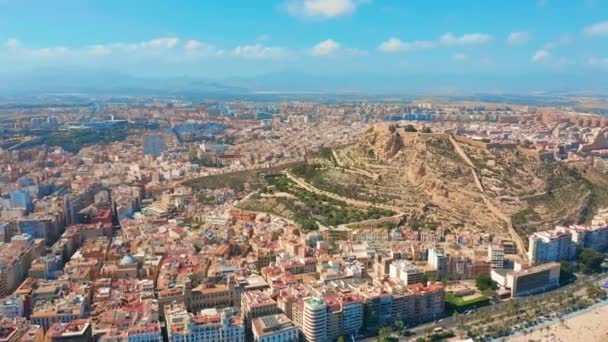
[307, 208]
[239, 180]
[525, 216]
[74, 140]
[333, 180]
[459, 303]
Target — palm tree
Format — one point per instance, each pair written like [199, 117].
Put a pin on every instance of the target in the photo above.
[384, 333]
[399, 325]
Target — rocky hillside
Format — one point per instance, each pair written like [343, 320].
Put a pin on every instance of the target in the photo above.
[438, 181]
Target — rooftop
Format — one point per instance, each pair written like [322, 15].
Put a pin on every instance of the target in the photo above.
[271, 324]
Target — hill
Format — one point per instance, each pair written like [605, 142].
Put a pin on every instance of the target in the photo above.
[438, 179]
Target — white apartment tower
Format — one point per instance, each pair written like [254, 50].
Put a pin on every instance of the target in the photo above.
[315, 320]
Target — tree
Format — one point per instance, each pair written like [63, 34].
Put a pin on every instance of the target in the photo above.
[485, 282]
[427, 130]
[590, 261]
[384, 334]
[399, 325]
[341, 339]
[410, 128]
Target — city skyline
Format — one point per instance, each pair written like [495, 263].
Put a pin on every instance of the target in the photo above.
[324, 45]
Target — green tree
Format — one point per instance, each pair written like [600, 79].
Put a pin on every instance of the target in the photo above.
[565, 273]
[384, 334]
[410, 128]
[590, 261]
[341, 339]
[485, 282]
[399, 325]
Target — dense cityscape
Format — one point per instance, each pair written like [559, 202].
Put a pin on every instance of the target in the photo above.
[303, 171]
[162, 229]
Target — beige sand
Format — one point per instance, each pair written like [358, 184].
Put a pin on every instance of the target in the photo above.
[590, 326]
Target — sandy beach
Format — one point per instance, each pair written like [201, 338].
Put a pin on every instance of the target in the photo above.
[591, 326]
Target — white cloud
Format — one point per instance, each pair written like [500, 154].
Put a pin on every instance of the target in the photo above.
[325, 48]
[448, 39]
[259, 51]
[192, 45]
[519, 38]
[12, 43]
[50, 52]
[330, 47]
[396, 45]
[598, 29]
[322, 8]
[99, 50]
[197, 48]
[157, 44]
[466, 39]
[600, 62]
[541, 56]
[165, 42]
[460, 57]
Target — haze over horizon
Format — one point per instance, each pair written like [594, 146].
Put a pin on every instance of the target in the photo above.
[306, 45]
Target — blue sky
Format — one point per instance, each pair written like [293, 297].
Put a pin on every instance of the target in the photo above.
[355, 40]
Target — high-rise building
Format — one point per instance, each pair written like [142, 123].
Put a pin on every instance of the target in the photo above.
[436, 258]
[154, 144]
[315, 320]
[551, 245]
[496, 256]
[594, 237]
[21, 199]
[352, 314]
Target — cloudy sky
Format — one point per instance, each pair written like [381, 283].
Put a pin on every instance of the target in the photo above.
[358, 41]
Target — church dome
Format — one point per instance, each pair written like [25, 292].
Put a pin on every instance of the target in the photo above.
[128, 259]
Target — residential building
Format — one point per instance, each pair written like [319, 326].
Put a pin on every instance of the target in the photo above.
[18, 329]
[256, 304]
[550, 245]
[75, 331]
[437, 260]
[594, 237]
[59, 310]
[406, 271]
[21, 199]
[315, 320]
[274, 328]
[12, 306]
[496, 256]
[210, 325]
[461, 267]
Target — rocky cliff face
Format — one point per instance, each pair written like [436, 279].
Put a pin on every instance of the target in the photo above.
[425, 171]
[383, 141]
